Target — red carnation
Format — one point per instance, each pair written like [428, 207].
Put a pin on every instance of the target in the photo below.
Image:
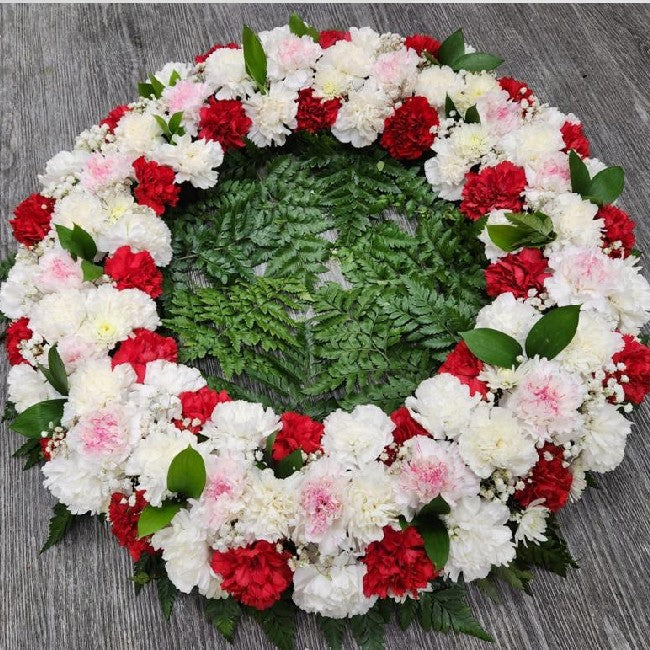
[636, 358]
[298, 432]
[618, 228]
[549, 480]
[463, 365]
[328, 37]
[423, 43]
[405, 429]
[225, 121]
[134, 271]
[517, 90]
[574, 138]
[202, 58]
[493, 188]
[256, 575]
[156, 187]
[517, 273]
[145, 346]
[407, 133]
[31, 220]
[315, 114]
[16, 333]
[398, 565]
[115, 116]
[124, 523]
[198, 405]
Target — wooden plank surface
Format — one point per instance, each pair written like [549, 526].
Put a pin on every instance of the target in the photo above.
[64, 66]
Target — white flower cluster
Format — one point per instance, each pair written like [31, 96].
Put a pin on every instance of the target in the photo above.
[121, 432]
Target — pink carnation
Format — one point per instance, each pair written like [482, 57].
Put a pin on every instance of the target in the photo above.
[101, 170]
[103, 435]
[58, 271]
[186, 97]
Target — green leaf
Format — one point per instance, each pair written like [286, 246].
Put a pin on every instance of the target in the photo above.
[254, 58]
[186, 474]
[472, 116]
[450, 108]
[436, 541]
[167, 593]
[435, 507]
[174, 124]
[278, 623]
[452, 48]
[61, 522]
[145, 90]
[289, 464]
[553, 332]
[333, 630]
[515, 576]
[36, 419]
[153, 518]
[552, 555]
[31, 451]
[91, 271]
[590, 480]
[224, 614]
[368, 630]
[406, 613]
[493, 347]
[77, 242]
[476, 61]
[580, 179]
[300, 28]
[527, 230]
[164, 127]
[446, 609]
[173, 78]
[55, 372]
[607, 185]
[156, 85]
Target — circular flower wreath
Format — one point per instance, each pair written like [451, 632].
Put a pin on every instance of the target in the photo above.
[264, 512]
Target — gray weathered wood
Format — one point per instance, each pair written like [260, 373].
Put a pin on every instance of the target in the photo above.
[63, 66]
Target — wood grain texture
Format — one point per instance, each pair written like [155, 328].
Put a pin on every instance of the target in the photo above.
[64, 66]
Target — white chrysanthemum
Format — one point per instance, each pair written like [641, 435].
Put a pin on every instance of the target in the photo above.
[509, 315]
[290, 58]
[361, 118]
[396, 72]
[152, 457]
[358, 437]
[436, 82]
[269, 506]
[546, 399]
[574, 220]
[82, 486]
[592, 347]
[173, 378]
[225, 73]
[81, 208]
[370, 504]
[430, 468]
[193, 161]
[494, 441]
[61, 167]
[631, 299]
[187, 556]
[137, 133]
[532, 524]
[18, 291]
[26, 387]
[96, 384]
[240, 426]
[532, 143]
[330, 82]
[474, 87]
[59, 314]
[273, 115]
[605, 434]
[334, 591]
[478, 538]
[442, 405]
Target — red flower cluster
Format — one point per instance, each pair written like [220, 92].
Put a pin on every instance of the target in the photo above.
[298, 432]
[198, 405]
[423, 43]
[574, 138]
[636, 358]
[225, 121]
[115, 116]
[328, 37]
[31, 220]
[315, 114]
[202, 58]
[549, 480]
[397, 565]
[516, 273]
[493, 188]
[618, 228]
[256, 575]
[407, 133]
[16, 333]
[405, 429]
[124, 523]
[517, 90]
[134, 271]
[145, 346]
[46, 447]
[463, 365]
[156, 187]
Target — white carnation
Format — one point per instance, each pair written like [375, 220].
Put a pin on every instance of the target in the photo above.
[18, 292]
[26, 387]
[79, 208]
[474, 87]
[225, 73]
[137, 133]
[532, 524]
[509, 315]
[61, 167]
[59, 314]
[532, 143]
[605, 434]
[436, 82]
[273, 115]
[574, 220]
[173, 378]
